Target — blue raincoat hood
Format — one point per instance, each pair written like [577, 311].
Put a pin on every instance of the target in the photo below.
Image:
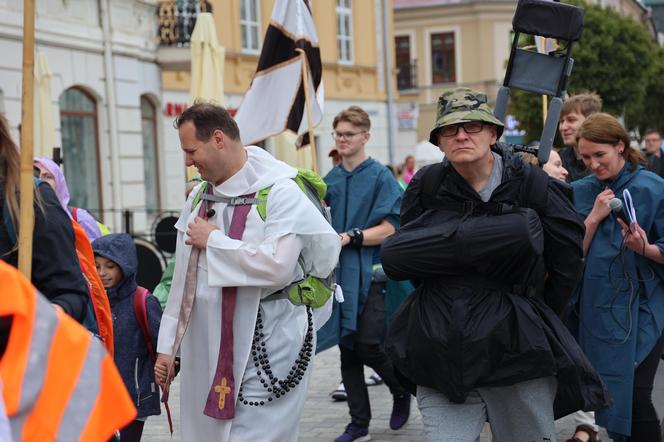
[119, 248]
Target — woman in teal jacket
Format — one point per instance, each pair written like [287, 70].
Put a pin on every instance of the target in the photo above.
[620, 304]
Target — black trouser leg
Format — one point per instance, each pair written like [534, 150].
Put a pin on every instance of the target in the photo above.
[352, 375]
[374, 356]
[645, 424]
[370, 338]
[368, 350]
[132, 432]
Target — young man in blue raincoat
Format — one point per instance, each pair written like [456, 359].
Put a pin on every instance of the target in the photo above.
[365, 200]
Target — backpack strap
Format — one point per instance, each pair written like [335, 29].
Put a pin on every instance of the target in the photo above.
[534, 189]
[199, 195]
[141, 313]
[262, 205]
[431, 179]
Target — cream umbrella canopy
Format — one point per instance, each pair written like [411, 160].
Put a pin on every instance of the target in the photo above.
[207, 62]
[207, 66]
[286, 150]
[44, 129]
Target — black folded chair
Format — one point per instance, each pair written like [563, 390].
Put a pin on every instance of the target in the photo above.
[544, 74]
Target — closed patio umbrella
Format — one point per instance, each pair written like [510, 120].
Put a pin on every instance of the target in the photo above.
[207, 65]
[44, 129]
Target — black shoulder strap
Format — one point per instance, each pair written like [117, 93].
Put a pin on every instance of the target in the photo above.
[431, 180]
[534, 189]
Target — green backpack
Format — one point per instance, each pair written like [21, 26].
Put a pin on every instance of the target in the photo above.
[311, 291]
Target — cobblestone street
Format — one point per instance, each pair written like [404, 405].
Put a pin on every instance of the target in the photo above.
[323, 419]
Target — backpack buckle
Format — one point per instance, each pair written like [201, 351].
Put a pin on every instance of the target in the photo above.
[241, 201]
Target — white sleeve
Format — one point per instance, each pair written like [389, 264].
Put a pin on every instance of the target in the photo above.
[234, 263]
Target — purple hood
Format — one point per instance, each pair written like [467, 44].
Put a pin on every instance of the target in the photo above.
[61, 189]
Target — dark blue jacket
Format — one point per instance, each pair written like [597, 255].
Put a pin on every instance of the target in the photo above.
[131, 351]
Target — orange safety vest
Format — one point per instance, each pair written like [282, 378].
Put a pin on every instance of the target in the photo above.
[59, 381]
[98, 297]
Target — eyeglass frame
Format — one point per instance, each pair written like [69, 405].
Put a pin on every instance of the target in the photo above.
[345, 136]
[457, 125]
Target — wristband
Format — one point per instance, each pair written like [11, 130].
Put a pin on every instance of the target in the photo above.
[356, 237]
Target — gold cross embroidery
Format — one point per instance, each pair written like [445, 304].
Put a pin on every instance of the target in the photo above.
[223, 389]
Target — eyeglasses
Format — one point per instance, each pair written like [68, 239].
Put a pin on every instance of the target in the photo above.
[345, 135]
[471, 127]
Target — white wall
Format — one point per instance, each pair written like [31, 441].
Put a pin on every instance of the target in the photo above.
[174, 167]
[70, 35]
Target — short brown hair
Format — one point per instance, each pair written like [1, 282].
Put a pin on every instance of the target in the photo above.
[207, 118]
[602, 128]
[652, 131]
[354, 115]
[586, 104]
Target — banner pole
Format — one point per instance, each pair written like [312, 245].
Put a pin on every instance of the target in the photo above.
[307, 100]
[26, 208]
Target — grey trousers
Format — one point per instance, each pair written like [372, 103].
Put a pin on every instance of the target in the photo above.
[522, 412]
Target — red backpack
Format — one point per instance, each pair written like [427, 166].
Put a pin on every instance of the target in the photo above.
[141, 313]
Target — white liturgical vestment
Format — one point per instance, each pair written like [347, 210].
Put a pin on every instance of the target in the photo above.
[262, 263]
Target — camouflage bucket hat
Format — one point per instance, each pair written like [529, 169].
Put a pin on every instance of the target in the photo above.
[462, 105]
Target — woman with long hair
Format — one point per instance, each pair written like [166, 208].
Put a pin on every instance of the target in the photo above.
[619, 310]
[55, 267]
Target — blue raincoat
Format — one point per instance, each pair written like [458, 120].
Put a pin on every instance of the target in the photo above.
[361, 198]
[620, 303]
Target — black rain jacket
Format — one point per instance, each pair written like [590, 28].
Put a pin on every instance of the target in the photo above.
[492, 279]
[56, 271]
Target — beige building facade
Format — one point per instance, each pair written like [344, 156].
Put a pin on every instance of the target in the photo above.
[442, 44]
[352, 51]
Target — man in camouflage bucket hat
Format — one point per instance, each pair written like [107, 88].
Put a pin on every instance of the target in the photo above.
[468, 236]
[463, 105]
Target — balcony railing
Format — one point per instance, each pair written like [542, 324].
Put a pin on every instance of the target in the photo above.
[177, 19]
[407, 76]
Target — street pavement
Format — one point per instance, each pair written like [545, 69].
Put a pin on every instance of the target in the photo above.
[323, 419]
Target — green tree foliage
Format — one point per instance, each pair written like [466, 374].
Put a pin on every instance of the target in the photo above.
[613, 58]
[649, 112]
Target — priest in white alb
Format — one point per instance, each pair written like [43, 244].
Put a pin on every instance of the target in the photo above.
[246, 351]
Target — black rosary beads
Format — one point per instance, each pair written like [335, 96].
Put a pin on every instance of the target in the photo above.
[275, 387]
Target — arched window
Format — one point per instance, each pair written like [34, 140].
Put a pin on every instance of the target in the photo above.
[150, 158]
[80, 149]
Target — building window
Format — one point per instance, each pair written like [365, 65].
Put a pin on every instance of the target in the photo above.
[344, 31]
[406, 68]
[150, 158]
[250, 25]
[443, 68]
[80, 149]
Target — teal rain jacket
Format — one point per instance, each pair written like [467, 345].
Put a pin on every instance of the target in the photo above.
[619, 307]
[361, 198]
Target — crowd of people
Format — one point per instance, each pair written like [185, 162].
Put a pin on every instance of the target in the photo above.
[489, 288]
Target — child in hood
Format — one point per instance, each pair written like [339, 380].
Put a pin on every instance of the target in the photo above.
[115, 256]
